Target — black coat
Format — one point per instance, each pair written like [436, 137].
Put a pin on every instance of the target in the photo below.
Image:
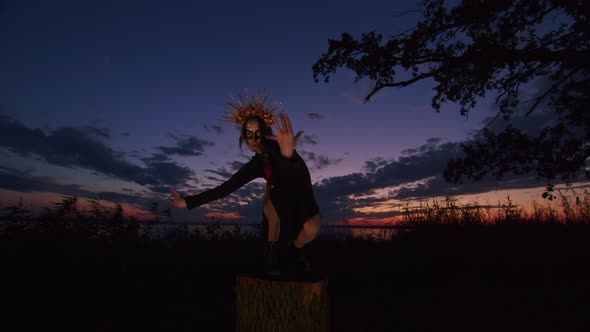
[291, 190]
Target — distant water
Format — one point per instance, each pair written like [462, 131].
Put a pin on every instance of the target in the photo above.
[253, 230]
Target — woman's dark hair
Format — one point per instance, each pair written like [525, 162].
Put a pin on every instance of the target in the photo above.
[264, 131]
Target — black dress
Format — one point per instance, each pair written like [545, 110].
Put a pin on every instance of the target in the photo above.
[291, 190]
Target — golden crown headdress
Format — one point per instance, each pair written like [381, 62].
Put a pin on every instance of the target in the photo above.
[241, 107]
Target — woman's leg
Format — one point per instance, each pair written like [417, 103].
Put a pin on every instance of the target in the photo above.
[308, 233]
[274, 223]
[310, 230]
[271, 253]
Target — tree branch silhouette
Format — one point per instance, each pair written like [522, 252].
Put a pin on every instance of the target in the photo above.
[476, 49]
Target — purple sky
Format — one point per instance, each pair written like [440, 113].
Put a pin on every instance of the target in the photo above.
[122, 100]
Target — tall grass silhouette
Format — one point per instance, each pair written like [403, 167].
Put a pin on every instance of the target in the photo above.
[575, 209]
[99, 221]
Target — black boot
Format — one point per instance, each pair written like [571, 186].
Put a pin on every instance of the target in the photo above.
[271, 259]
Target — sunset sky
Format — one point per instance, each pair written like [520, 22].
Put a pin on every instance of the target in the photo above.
[123, 100]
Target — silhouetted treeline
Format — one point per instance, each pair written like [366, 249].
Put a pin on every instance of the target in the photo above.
[442, 275]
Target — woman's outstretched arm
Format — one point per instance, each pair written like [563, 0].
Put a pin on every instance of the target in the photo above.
[247, 173]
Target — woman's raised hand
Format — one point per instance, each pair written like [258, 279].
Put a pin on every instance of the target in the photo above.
[284, 135]
[177, 200]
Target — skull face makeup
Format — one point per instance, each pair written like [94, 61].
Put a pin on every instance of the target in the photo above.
[252, 130]
[253, 135]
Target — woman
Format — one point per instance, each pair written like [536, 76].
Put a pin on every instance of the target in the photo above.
[290, 212]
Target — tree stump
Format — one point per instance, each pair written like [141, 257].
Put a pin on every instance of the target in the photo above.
[281, 304]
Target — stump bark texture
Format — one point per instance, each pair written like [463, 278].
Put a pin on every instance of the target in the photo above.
[276, 305]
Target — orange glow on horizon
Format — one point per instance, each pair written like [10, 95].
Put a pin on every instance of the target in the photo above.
[223, 215]
[368, 221]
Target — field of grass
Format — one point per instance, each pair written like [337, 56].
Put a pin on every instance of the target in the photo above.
[67, 272]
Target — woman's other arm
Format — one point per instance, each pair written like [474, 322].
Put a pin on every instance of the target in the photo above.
[245, 174]
[284, 136]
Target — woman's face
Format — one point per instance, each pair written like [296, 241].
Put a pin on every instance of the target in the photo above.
[254, 136]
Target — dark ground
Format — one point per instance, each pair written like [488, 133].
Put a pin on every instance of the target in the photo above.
[443, 278]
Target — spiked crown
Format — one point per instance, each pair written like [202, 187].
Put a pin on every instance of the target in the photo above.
[241, 107]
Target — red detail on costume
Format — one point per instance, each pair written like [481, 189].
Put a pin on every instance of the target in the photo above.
[267, 170]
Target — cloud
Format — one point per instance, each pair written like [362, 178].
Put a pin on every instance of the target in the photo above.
[374, 164]
[156, 157]
[98, 132]
[437, 187]
[409, 151]
[224, 174]
[434, 140]
[168, 173]
[430, 162]
[214, 179]
[318, 161]
[214, 128]
[427, 163]
[24, 181]
[337, 196]
[315, 116]
[235, 165]
[189, 146]
[76, 147]
[307, 140]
